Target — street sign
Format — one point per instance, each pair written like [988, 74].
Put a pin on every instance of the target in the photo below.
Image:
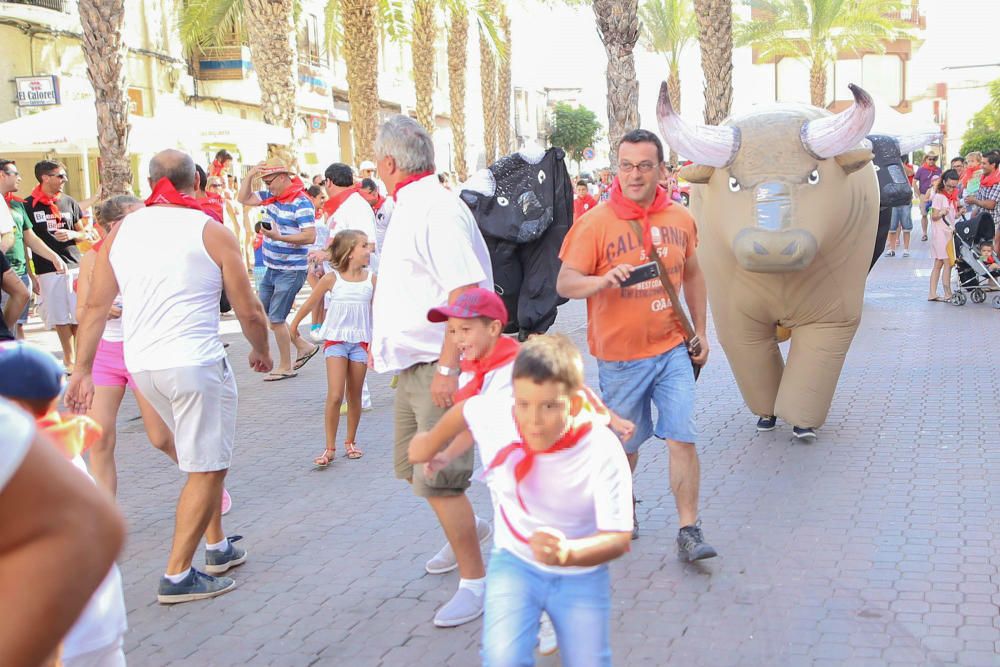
[37, 91]
[588, 153]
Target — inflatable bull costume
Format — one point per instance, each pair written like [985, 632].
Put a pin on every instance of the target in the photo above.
[787, 204]
[523, 205]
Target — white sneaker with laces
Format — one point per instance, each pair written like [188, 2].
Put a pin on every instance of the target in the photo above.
[444, 560]
[547, 636]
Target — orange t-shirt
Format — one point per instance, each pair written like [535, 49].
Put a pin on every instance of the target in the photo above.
[636, 322]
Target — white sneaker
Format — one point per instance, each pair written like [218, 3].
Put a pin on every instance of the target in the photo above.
[444, 560]
[463, 607]
[547, 636]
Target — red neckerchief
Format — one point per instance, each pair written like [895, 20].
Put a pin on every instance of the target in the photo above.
[11, 197]
[334, 202]
[569, 439]
[212, 206]
[378, 205]
[991, 180]
[626, 209]
[968, 174]
[73, 436]
[216, 168]
[258, 241]
[39, 197]
[290, 193]
[410, 179]
[951, 195]
[164, 192]
[503, 353]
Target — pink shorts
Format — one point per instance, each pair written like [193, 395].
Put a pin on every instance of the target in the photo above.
[109, 366]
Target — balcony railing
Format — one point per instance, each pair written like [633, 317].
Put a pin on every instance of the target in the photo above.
[55, 5]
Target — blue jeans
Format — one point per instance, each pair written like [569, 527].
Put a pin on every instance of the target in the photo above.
[631, 388]
[901, 216]
[516, 595]
[278, 290]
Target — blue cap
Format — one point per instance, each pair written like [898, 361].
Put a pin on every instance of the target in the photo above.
[29, 372]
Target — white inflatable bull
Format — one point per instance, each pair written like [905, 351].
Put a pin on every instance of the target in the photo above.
[787, 206]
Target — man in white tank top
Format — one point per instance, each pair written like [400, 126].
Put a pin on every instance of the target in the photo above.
[173, 350]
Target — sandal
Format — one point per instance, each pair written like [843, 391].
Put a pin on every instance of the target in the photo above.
[352, 451]
[325, 459]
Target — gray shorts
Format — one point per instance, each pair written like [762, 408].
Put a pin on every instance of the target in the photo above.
[415, 412]
[198, 403]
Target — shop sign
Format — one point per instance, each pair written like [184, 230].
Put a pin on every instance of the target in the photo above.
[37, 91]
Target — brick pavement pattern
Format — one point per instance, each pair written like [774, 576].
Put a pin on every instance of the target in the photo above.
[874, 546]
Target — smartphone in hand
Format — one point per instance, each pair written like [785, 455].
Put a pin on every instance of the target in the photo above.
[641, 274]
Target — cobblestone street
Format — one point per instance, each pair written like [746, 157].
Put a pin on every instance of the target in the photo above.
[876, 545]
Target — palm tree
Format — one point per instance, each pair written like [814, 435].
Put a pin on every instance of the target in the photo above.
[424, 34]
[270, 32]
[104, 51]
[458, 51]
[668, 26]
[715, 37]
[618, 26]
[488, 75]
[504, 146]
[827, 27]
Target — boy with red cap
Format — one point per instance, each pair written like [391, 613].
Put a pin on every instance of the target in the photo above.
[561, 490]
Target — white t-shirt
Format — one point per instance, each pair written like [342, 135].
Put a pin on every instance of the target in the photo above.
[16, 432]
[354, 213]
[382, 217]
[498, 383]
[6, 219]
[580, 491]
[432, 247]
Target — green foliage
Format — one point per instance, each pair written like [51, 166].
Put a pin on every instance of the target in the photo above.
[391, 18]
[983, 134]
[574, 130]
[668, 26]
[204, 23]
[826, 28]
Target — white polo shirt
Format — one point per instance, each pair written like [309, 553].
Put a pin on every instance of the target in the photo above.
[432, 247]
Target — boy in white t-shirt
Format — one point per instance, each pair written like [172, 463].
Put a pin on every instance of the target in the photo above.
[562, 492]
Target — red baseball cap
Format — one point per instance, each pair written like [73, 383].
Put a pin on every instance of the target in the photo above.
[476, 302]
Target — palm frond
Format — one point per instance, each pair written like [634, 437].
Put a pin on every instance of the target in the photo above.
[333, 27]
[204, 23]
[485, 17]
[392, 22]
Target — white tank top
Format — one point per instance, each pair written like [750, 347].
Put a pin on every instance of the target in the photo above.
[113, 327]
[170, 289]
[349, 311]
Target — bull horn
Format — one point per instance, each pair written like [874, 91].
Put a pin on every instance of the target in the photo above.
[709, 145]
[911, 142]
[830, 136]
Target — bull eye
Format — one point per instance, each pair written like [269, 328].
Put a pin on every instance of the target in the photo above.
[813, 177]
[734, 185]
[877, 168]
[502, 201]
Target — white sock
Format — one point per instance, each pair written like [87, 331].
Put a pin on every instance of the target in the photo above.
[477, 586]
[218, 546]
[177, 578]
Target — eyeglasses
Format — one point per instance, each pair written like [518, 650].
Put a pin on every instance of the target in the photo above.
[12, 173]
[61, 176]
[215, 185]
[949, 184]
[643, 167]
[268, 181]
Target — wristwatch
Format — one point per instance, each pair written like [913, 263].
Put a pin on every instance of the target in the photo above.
[446, 370]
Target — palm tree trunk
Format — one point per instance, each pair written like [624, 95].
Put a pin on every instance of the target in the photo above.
[458, 44]
[674, 93]
[503, 88]
[715, 36]
[817, 84]
[276, 60]
[361, 57]
[104, 51]
[618, 26]
[422, 50]
[488, 74]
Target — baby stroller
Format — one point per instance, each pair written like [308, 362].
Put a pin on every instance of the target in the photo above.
[975, 278]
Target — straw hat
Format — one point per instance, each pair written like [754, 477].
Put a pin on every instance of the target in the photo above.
[276, 165]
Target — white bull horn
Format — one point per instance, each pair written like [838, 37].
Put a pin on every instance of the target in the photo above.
[911, 142]
[831, 136]
[709, 145]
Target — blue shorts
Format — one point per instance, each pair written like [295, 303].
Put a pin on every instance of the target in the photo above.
[277, 292]
[349, 351]
[901, 217]
[23, 317]
[631, 388]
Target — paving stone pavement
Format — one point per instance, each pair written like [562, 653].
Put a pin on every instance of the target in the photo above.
[877, 545]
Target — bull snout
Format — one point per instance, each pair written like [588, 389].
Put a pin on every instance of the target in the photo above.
[773, 245]
[773, 206]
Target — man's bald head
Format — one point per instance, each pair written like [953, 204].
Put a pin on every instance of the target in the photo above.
[175, 166]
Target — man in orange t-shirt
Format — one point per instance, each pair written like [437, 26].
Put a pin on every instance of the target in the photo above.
[639, 344]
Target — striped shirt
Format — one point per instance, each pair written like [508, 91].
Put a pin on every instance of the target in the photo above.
[991, 193]
[288, 218]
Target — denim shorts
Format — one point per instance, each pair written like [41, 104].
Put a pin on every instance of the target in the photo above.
[632, 388]
[349, 351]
[901, 216]
[278, 290]
[23, 317]
[516, 595]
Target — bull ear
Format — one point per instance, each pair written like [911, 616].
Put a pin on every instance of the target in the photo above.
[853, 160]
[696, 173]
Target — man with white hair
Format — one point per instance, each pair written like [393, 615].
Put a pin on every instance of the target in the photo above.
[433, 253]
